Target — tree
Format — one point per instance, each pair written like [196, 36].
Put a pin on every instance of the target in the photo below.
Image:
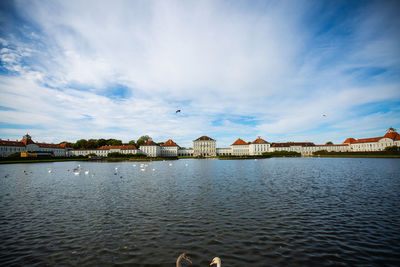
[143, 139]
[392, 148]
[329, 143]
[101, 142]
[114, 142]
[80, 144]
[132, 143]
[91, 144]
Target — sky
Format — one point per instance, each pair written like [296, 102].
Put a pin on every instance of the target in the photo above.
[313, 71]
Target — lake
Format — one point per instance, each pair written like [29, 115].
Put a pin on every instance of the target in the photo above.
[266, 212]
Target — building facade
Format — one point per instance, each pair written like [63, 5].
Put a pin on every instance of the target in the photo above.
[259, 146]
[28, 145]
[204, 147]
[240, 148]
[169, 149]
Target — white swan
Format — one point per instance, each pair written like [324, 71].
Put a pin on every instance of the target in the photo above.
[182, 256]
[216, 261]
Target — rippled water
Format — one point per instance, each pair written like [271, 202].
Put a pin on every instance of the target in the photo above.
[270, 212]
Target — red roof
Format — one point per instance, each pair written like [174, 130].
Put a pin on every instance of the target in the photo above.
[288, 144]
[11, 143]
[128, 147]
[335, 145]
[367, 140]
[48, 145]
[204, 138]
[149, 143]
[239, 142]
[169, 143]
[259, 141]
[391, 135]
[349, 141]
[27, 140]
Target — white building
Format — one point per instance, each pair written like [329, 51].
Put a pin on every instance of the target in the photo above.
[391, 138]
[28, 145]
[105, 150]
[185, 152]
[240, 148]
[150, 149]
[169, 149]
[258, 146]
[224, 151]
[204, 147]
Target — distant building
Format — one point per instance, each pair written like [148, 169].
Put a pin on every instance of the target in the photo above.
[169, 149]
[28, 145]
[105, 150]
[391, 138]
[258, 146]
[204, 147]
[150, 149]
[240, 148]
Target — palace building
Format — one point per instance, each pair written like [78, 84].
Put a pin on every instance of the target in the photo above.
[203, 146]
[28, 145]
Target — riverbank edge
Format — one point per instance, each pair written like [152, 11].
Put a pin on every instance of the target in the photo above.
[356, 156]
[41, 160]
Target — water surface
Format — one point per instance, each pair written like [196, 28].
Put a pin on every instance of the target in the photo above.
[269, 212]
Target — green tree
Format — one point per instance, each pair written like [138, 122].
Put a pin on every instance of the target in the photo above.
[114, 142]
[329, 143]
[80, 144]
[392, 148]
[91, 144]
[101, 142]
[143, 139]
[132, 143]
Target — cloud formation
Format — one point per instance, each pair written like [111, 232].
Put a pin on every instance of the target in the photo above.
[72, 69]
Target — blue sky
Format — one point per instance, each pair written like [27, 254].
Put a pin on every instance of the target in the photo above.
[120, 69]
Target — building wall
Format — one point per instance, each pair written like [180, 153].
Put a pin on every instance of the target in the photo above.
[240, 150]
[151, 151]
[169, 151]
[185, 152]
[258, 149]
[5, 151]
[224, 151]
[204, 148]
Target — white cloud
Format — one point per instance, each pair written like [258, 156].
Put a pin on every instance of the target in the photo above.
[211, 59]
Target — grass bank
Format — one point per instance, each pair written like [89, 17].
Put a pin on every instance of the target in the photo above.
[242, 157]
[30, 160]
[138, 159]
[372, 154]
[282, 154]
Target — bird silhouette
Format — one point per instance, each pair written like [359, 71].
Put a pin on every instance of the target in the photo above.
[178, 111]
[182, 256]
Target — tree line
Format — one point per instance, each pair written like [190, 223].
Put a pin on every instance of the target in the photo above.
[97, 143]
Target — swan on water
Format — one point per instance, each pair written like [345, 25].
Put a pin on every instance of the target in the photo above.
[216, 261]
[182, 256]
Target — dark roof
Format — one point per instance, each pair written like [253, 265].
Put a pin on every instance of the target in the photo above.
[169, 143]
[150, 143]
[239, 142]
[259, 141]
[204, 138]
[127, 147]
[48, 145]
[11, 143]
[288, 144]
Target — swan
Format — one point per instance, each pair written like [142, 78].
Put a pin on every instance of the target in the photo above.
[217, 261]
[182, 256]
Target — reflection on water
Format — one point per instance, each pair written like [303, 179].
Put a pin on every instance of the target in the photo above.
[279, 211]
